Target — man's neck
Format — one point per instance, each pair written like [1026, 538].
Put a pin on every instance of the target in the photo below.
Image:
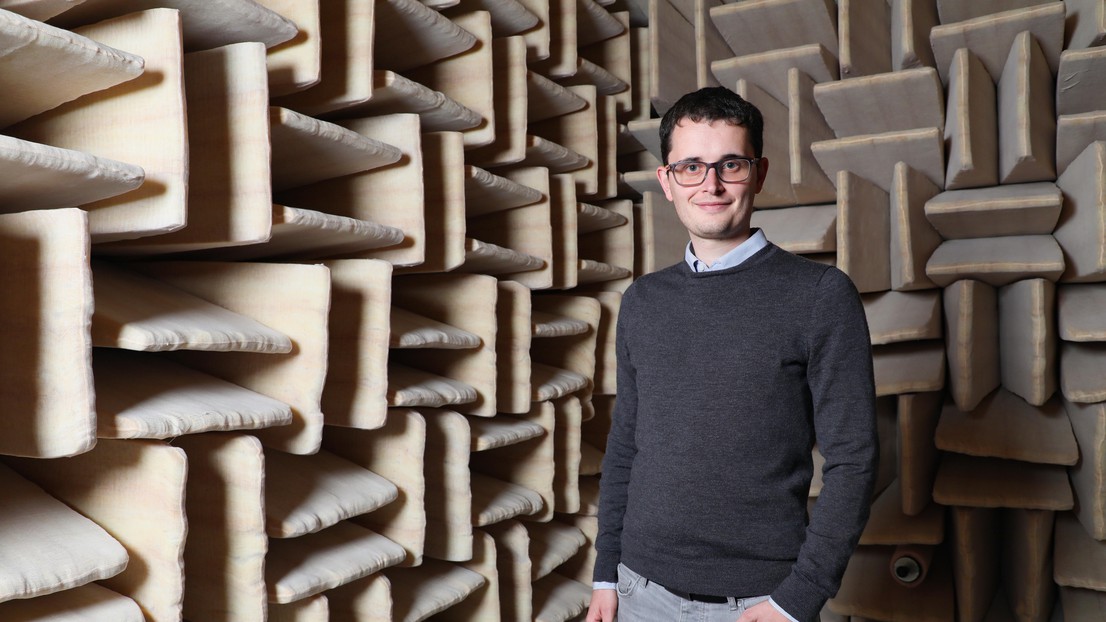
[708, 251]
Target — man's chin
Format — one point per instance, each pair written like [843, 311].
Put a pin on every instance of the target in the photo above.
[723, 234]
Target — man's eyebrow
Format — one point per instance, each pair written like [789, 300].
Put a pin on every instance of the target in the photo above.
[724, 157]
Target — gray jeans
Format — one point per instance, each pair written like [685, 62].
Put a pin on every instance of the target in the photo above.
[641, 600]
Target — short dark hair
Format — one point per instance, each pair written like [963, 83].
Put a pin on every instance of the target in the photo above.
[713, 103]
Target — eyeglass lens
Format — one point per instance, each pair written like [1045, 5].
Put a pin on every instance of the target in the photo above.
[731, 170]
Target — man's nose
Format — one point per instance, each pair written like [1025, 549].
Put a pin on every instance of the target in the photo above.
[712, 183]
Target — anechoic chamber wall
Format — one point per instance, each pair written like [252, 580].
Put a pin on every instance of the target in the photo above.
[310, 305]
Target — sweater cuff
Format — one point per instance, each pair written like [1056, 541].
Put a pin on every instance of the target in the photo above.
[606, 566]
[798, 598]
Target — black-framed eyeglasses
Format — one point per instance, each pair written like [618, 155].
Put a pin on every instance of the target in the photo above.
[733, 170]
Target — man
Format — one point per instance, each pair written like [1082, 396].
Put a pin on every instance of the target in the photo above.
[730, 364]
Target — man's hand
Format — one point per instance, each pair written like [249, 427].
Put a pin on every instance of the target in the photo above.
[604, 604]
[760, 612]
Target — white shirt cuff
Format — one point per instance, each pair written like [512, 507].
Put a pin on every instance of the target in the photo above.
[780, 609]
[604, 585]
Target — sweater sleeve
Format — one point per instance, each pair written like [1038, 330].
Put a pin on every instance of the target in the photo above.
[842, 388]
[617, 459]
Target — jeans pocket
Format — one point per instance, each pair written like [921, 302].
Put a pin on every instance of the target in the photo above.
[627, 580]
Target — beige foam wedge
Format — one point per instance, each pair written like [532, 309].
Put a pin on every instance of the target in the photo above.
[311, 493]
[136, 312]
[224, 554]
[397, 452]
[47, 368]
[297, 568]
[135, 490]
[248, 289]
[1005, 426]
[1026, 115]
[990, 36]
[52, 547]
[79, 65]
[88, 603]
[173, 400]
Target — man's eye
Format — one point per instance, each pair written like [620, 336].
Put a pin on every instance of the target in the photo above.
[692, 167]
[733, 165]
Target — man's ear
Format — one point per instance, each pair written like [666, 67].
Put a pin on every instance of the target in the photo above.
[762, 172]
[662, 177]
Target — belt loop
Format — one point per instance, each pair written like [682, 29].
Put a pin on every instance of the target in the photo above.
[733, 603]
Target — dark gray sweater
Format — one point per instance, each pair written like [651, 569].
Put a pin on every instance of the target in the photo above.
[725, 379]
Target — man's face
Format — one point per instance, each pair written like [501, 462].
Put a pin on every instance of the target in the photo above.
[713, 210]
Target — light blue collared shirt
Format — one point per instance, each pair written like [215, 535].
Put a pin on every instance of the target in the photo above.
[735, 257]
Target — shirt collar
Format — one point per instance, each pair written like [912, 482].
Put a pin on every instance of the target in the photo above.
[735, 257]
